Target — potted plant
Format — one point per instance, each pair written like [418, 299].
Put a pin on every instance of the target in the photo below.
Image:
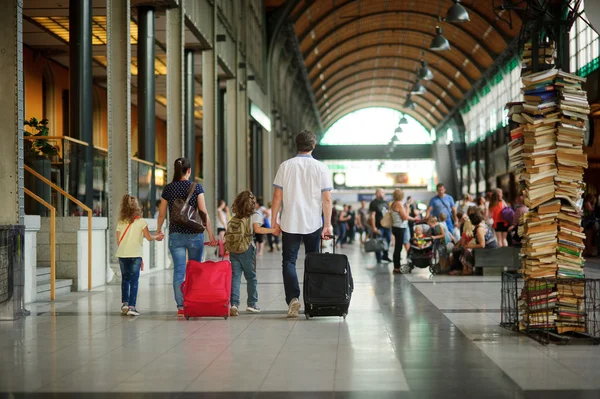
[37, 156]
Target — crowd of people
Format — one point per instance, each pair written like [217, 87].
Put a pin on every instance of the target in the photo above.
[455, 228]
[302, 211]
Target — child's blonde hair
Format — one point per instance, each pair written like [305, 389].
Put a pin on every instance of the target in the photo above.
[468, 228]
[130, 209]
[432, 220]
[443, 217]
[418, 228]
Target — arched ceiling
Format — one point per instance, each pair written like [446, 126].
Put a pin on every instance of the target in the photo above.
[359, 53]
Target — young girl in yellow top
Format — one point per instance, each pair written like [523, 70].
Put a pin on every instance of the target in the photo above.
[131, 231]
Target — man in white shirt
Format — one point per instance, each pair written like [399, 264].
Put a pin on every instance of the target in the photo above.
[302, 191]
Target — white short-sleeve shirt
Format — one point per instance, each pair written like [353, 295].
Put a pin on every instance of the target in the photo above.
[303, 179]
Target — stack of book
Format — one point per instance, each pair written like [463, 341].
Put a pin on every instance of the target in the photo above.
[546, 155]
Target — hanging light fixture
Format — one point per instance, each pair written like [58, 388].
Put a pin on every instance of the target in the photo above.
[398, 130]
[457, 13]
[424, 73]
[439, 42]
[403, 120]
[409, 104]
[418, 89]
[394, 139]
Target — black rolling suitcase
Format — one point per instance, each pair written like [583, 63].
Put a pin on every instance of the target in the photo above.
[328, 284]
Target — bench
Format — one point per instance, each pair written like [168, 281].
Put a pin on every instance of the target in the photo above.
[505, 259]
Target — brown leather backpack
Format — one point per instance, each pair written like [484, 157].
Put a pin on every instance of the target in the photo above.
[183, 214]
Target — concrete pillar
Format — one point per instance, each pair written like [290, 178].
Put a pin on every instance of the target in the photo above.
[267, 164]
[11, 113]
[209, 130]
[80, 86]
[175, 87]
[189, 109]
[231, 139]
[119, 116]
[243, 169]
[146, 102]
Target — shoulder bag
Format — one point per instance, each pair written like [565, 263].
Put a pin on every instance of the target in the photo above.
[183, 214]
[387, 221]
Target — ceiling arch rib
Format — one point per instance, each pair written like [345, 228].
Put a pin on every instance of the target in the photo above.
[393, 81]
[463, 44]
[379, 86]
[458, 86]
[334, 117]
[368, 99]
[386, 40]
[369, 92]
[412, 50]
[364, 68]
[477, 26]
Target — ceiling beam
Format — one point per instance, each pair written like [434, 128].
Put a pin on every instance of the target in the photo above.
[425, 104]
[457, 68]
[347, 82]
[367, 102]
[371, 152]
[361, 34]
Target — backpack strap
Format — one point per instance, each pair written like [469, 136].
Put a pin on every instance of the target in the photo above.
[127, 229]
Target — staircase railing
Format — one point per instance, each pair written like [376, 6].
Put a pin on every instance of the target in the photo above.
[52, 241]
[78, 203]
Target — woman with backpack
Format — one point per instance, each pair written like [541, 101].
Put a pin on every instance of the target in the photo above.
[246, 222]
[183, 241]
[497, 204]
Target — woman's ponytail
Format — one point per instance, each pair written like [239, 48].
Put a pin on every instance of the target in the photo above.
[181, 167]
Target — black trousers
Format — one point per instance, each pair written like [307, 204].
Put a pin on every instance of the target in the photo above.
[398, 233]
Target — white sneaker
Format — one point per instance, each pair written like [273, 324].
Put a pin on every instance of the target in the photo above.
[124, 309]
[294, 308]
[234, 311]
[253, 309]
[132, 312]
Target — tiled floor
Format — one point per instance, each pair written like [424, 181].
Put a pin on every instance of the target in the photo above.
[411, 336]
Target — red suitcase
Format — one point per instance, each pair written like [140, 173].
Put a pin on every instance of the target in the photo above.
[206, 289]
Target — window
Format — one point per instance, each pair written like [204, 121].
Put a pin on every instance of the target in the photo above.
[369, 126]
[584, 46]
[485, 112]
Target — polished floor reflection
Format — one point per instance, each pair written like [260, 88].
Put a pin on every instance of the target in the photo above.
[412, 336]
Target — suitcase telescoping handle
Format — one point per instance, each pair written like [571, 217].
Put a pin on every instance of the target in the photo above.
[332, 237]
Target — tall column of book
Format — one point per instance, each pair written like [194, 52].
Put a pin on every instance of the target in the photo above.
[546, 155]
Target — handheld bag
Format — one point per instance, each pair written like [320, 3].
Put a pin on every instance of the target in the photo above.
[183, 214]
[328, 284]
[376, 244]
[207, 289]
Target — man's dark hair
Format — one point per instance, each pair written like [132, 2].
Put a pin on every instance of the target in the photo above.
[306, 141]
[439, 185]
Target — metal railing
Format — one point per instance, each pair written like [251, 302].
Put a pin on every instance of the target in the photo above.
[52, 241]
[80, 204]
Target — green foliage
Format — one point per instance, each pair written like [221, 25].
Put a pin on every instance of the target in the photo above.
[41, 147]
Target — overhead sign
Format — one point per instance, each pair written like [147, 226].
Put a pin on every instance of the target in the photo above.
[260, 117]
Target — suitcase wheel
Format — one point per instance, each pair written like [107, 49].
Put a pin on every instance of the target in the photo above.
[344, 315]
[225, 317]
[307, 316]
[187, 317]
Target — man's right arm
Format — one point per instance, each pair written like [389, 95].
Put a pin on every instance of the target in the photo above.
[429, 209]
[276, 204]
[327, 206]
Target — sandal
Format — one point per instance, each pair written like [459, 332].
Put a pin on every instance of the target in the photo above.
[397, 271]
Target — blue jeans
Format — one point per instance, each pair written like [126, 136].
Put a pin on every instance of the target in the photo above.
[130, 274]
[291, 246]
[181, 245]
[244, 263]
[386, 234]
